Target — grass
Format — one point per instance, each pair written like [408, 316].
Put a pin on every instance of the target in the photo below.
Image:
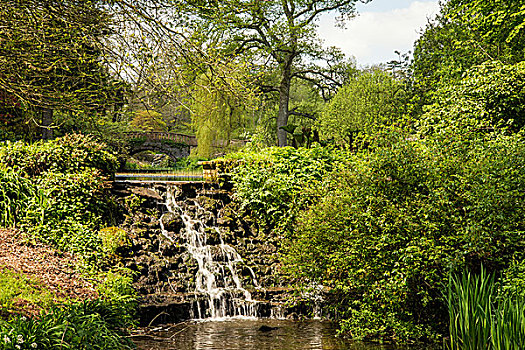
[480, 319]
[17, 293]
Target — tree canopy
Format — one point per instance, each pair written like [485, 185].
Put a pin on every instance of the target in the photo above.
[51, 59]
[280, 34]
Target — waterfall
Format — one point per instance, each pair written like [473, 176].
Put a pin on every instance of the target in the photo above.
[217, 277]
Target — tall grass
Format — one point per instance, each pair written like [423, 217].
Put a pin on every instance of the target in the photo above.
[479, 319]
[15, 193]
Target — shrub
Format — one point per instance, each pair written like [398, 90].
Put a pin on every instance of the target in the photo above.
[385, 232]
[113, 238]
[117, 290]
[69, 154]
[363, 106]
[490, 95]
[271, 184]
[67, 210]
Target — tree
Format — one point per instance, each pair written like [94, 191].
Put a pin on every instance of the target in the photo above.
[370, 100]
[220, 103]
[51, 59]
[148, 121]
[275, 33]
[467, 33]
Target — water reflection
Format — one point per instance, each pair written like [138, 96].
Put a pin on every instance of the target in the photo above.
[236, 334]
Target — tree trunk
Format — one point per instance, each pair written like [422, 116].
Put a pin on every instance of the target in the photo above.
[47, 120]
[284, 99]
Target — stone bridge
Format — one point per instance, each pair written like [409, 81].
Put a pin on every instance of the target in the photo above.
[172, 144]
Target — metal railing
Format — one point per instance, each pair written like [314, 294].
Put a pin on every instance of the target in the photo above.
[160, 175]
[182, 138]
[187, 139]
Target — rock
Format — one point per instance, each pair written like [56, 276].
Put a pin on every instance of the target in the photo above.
[265, 328]
[172, 222]
[146, 193]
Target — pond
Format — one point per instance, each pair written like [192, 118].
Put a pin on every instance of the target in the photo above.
[247, 334]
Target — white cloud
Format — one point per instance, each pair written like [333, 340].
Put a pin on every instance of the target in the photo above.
[372, 37]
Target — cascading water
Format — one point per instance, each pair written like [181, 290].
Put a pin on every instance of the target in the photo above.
[217, 277]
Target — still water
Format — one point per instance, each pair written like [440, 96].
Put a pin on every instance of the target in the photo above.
[246, 334]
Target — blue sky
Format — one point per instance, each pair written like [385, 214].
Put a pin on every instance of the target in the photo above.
[381, 27]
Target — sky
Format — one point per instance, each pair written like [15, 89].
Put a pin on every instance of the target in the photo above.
[382, 27]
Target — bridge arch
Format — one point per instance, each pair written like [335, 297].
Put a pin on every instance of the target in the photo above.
[173, 145]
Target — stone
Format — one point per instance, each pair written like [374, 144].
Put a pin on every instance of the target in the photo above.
[172, 222]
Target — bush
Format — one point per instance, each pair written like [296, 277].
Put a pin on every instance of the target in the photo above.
[272, 184]
[385, 232]
[63, 201]
[363, 106]
[117, 290]
[113, 238]
[489, 96]
[69, 154]
[67, 210]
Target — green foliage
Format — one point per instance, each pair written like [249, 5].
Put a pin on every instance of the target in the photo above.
[117, 289]
[55, 191]
[15, 287]
[87, 325]
[272, 184]
[513, 279]
[360, 108]
[66, 210]
[279, 42]
[479, 319]
[189, 163]
[465, 34]
[15, 192]
[489, 96]
[113, 238]
[51, 58]
[69, 154]
[385, 231]
[148, 121]
[220, 106]
[470, 308]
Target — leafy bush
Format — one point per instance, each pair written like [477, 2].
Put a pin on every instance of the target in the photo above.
[67, 210]
[113, 238]
[86, 325]
[69, 154]
[360, 108]
[490, 95]
[272, 183]
[117, 289]
[55, 191]
[385, 232]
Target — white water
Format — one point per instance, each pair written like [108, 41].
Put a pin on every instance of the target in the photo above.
[217, 277]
